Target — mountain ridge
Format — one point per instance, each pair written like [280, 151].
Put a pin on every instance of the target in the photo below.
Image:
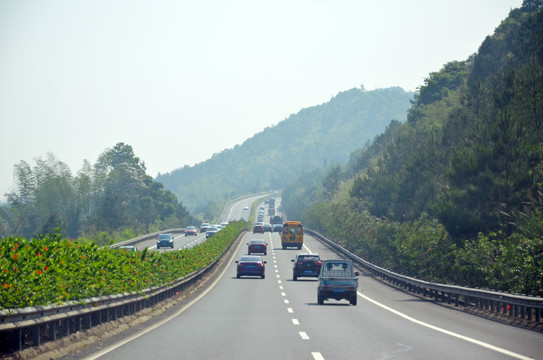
[315, 136]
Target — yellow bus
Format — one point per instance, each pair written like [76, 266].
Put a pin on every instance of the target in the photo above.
[292, 235]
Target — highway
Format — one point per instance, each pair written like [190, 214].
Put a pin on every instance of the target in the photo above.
[278, 318]
[233, 211]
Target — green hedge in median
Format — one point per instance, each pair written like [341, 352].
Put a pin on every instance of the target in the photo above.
[53, 269]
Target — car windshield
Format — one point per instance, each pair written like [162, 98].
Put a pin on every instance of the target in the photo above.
[191, 228]
[164, 236]
[257, 242]
[250, 259]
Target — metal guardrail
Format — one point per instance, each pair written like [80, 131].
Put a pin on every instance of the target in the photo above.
[518, 306]
[20, 328]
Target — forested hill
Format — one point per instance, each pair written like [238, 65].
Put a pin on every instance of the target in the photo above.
[455, 194]
[313, 137]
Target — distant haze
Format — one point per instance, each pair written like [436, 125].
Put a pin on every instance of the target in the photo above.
[181, 80]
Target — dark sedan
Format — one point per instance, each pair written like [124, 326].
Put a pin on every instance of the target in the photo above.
[306, 265]
[257, 246]
[251, 266]
[164, 240]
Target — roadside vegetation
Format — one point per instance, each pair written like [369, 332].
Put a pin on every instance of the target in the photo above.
[53, 269]
[455, 194]
[114, 199]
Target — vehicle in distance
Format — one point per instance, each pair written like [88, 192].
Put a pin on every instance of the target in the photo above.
[292, 235]
[164, 240]
[251, 265]
[278, 228]
[337, 280]
[258, 229]
[245, 208]
[212, 230]
[191, 230]
[306, 265]
[204, 227]
[276, 220]
[257, 246]
[268, 228]
[128, 248]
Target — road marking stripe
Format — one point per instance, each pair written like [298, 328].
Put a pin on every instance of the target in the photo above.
[447, 332]
[295, 322]
[286, 301]
[317, 356]
[283, 294]
[290, 310]
[303, 335]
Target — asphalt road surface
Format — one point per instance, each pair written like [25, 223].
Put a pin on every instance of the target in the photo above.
[278, 318]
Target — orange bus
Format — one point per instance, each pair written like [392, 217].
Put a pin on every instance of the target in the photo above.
[292, 235]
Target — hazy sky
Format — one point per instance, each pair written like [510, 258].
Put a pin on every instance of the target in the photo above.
[180, 80]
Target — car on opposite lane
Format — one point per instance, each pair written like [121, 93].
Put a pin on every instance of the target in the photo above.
[204, 227]
[257, 246]
[164, 240]
[306, 265]
[251, 265]
[191, 230]
[212, 230]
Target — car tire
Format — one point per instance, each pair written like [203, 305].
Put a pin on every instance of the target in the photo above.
[320, 299]
[248, 253]
[354, 299]
[238, 276]
[265, 253]
[263, 276]
[158, 247]
[294, 277]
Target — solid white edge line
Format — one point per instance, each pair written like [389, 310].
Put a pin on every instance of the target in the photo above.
[160, 323]
[447, 332]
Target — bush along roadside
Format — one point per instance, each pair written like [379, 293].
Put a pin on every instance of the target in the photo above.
[52, 269]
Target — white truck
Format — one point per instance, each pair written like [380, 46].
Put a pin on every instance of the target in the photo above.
[337, 280]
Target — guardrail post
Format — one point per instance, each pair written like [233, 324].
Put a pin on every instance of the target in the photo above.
[36, 335]
[53, 330]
